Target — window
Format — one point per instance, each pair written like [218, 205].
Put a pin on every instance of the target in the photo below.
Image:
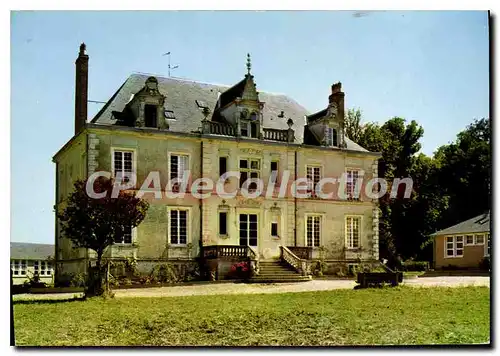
[19, 267]
[123, 164]
[36, 267]
[127, 237]
[222, 223]
[249, 168]
[169, 115]
[45, 268]
[274, 169]
[352, 180]
[178, 164]
[244, 129]
[253, 130]
[469, 240]
[479, 239]
[178, 226]
[248, 229]
[487, 247]
[353, 224]
[313, 230]
[201, 104]
[249, 129]
[274, 229]
[150, 115]
[331, 137]
[222, 165]
[313, 175]
[454, 246]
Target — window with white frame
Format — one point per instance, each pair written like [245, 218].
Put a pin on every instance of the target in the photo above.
[353, 235]
[123, 164]
[313, 230]
[178, 226]
[352, 181]
[19, 267]
[331, 137]
[313, 175]
[479, 239]
[178, 164]
[469, 239]
[45, 268]
[487, 248]
[249, 168]
[454, 246]
[126, 238]
[248, 229]
[36, 267]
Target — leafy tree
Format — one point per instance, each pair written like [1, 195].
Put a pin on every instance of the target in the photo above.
[352, 124]
[96, 223]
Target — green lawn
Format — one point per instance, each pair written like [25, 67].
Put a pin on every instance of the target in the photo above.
[402, 315]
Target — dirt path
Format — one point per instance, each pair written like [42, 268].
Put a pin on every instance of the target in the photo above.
[242, 288]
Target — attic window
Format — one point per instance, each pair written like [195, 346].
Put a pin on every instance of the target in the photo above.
[150, 113]
[201, 104]
[331, 137]
[169, 115]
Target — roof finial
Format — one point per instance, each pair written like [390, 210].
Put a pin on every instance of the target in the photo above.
[249, 63]
[83, 47]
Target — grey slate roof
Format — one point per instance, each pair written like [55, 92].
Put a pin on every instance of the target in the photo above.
[31, 251]
[477, 224]
[181, 96]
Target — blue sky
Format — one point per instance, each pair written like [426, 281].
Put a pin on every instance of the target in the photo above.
[428, 66]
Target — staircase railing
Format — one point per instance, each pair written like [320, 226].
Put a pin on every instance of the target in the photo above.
[300, 265]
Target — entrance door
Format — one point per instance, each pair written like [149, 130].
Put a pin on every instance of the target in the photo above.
[248, 226]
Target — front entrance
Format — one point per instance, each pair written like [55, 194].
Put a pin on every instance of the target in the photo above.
[249, 227]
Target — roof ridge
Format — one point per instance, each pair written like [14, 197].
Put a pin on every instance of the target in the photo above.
[208, 83]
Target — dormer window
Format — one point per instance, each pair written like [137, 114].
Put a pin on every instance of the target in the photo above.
[331, 137]
[249, 129]
[150, 116]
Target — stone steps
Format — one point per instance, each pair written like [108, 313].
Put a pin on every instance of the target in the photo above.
[275, 272]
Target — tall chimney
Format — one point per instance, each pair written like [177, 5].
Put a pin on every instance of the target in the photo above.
[81, 89]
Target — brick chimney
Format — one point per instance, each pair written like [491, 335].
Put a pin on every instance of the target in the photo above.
[337, 98]
[81, 89]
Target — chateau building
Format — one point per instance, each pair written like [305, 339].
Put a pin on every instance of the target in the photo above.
[170, 126]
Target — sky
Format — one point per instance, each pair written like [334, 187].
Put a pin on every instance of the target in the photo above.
[432, 67]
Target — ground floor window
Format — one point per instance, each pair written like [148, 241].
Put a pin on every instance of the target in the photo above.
[178, 226]
[248, 227]
[126, 238]
[45, 268]
[352, 225]
[454, 246]
[223, 223]
[19, 267]
[313, 230]
[487, 247]
[479, 239]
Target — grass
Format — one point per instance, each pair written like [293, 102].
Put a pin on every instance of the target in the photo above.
[402, 315]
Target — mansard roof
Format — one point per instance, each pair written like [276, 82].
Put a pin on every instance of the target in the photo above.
[183, 98]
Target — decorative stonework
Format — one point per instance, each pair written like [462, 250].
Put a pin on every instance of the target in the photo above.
[251, 151]
[93, 153]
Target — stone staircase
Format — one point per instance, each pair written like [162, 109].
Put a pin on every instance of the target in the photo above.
[276, 272]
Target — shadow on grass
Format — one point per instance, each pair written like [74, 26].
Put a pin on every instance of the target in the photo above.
[49, 301]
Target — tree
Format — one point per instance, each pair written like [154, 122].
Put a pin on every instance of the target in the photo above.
[352, 124]
[96, 223]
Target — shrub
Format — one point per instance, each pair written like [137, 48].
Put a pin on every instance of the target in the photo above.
[34, 282]
[240, 270]
[164, 273]
[415, 266]
[320, 268]
[78, 280]
[485, 264]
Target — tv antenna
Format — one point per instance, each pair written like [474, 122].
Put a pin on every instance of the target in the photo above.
[169, 66]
